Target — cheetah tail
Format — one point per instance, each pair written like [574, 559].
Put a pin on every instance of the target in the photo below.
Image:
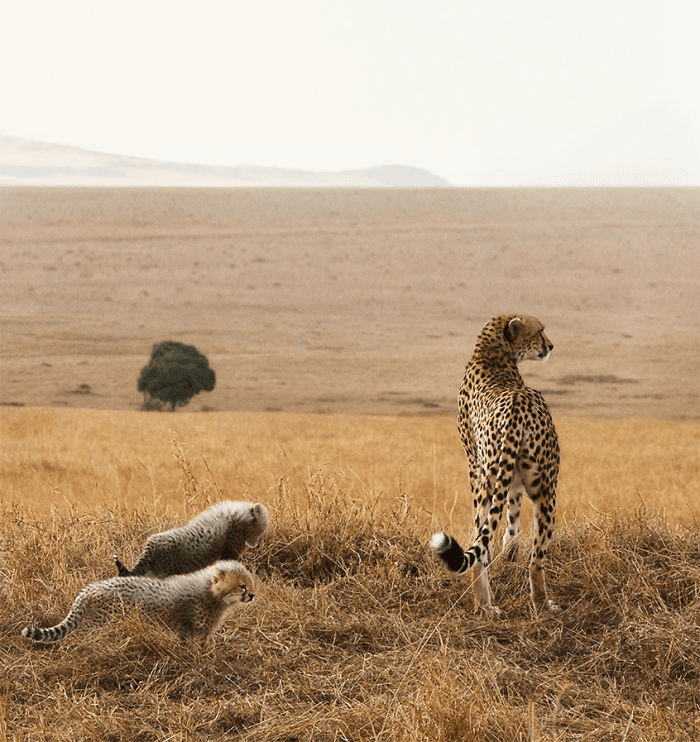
[69, 623]
[451, 553]
[46, 636]
[121, 569]
[55, 633]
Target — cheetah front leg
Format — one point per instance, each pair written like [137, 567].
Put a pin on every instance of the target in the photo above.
[482, 592]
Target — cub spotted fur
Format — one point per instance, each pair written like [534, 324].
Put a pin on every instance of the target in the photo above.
[193, 605]
[220, 532]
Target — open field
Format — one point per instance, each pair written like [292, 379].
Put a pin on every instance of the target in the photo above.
[74, 459]
[357, 633]
[348, 303]
[346, 300]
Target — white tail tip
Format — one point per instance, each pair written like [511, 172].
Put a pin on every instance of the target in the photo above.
[439, 542]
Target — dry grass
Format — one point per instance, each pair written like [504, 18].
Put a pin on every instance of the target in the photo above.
[357, 633]
[63, 458]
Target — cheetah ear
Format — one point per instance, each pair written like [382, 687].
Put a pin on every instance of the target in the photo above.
[259, 513]
[215, 584]
[511, 328]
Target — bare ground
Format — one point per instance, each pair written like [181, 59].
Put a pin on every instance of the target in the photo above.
[338, 301]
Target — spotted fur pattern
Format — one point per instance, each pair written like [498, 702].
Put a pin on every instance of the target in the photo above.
[511, 446]
[193, 605]
[220, 532]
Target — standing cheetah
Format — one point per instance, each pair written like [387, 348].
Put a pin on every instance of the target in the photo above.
[193, 605]
[511, 446]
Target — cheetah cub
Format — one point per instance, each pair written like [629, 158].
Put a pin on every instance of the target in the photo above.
[511, 446]
[220, 532]
[193, 605]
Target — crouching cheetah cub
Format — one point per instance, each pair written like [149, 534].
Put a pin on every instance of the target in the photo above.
[220, 532]
[511, 446]
[193, 605]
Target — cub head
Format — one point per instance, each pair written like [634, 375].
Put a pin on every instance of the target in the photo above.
[232, 583]
[525, 335]
[257, 523]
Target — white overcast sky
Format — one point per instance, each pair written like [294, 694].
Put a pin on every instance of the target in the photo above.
[492, 92]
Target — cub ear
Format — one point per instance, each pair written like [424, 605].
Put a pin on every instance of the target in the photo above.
[217, 575]
[511, 328]
[259, 513]
[215, 585]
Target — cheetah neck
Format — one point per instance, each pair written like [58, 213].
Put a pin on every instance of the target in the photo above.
[495, 367]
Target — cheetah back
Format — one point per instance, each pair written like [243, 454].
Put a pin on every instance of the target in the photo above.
[220, 532]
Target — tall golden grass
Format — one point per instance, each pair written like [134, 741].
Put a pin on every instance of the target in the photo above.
[61, 458]
[358, 634]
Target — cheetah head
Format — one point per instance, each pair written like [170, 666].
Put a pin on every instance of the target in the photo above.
[232, 583]
[258, 521]
[526, 336]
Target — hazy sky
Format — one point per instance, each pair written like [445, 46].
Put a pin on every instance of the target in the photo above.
[494, 92]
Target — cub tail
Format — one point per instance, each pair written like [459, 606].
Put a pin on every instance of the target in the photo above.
[46, 636]
[58, 632]
[121, 569]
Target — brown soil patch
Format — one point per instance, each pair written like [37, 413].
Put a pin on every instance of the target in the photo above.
[344, 300]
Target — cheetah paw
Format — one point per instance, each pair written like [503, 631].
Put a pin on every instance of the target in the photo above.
[488, 611]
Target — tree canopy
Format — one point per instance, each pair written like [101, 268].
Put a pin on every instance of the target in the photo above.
[175, 373]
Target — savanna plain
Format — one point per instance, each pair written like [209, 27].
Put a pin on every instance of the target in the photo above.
[339, 323]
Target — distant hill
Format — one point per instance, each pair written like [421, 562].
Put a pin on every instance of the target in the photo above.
[29, 162]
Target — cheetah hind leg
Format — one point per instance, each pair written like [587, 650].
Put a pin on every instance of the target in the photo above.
[456, 560]
[483, 602]
[511, 538]
[538, 587]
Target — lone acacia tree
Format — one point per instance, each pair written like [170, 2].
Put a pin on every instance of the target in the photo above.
[175, 373]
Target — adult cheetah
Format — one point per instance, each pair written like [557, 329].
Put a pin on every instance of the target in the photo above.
[511, 446]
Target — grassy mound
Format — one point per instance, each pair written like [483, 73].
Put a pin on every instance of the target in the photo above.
[359, 634]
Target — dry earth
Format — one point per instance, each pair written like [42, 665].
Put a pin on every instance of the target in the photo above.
[349, 300]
